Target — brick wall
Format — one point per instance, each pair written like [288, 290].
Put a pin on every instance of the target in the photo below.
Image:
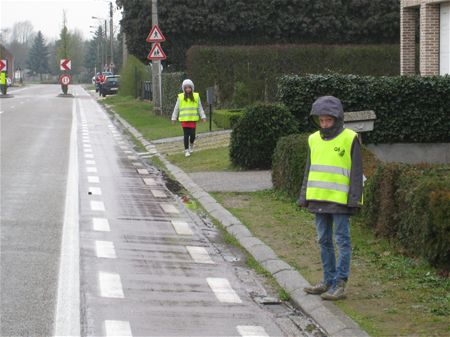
[429, 39]
[407, 41]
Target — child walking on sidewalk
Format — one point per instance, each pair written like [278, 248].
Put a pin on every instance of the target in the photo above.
[188, 110]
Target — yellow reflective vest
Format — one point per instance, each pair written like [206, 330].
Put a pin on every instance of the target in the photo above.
[188, 110]
[331, 163]
[3, 78]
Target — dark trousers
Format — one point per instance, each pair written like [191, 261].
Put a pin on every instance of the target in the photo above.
[189, 137]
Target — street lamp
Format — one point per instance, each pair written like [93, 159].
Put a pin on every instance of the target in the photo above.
[111, 63]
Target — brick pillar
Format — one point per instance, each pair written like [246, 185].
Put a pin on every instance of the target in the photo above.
[408, 41]
[429, 39]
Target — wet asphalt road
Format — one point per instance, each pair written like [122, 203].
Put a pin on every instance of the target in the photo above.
[141, 264]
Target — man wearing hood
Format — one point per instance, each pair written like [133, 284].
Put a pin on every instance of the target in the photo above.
[332, 190]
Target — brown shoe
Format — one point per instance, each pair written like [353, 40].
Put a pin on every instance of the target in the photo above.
[335, 293]
[317, 289]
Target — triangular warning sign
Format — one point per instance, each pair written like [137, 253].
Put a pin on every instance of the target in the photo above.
[156, 53]
[155, 35]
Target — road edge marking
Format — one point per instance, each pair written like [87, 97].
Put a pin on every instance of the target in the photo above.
[67, 317]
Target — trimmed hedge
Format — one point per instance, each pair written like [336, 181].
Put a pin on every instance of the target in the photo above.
[408, 108]
[411, 205]
[244, 74]
[255, 135]
[288, 164]
[227, 119]
[131, 77]
[171, 87]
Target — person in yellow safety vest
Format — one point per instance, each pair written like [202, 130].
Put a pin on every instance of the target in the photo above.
[332, 190]
[188, 110]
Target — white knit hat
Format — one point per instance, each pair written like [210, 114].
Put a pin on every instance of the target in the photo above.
[187, 83]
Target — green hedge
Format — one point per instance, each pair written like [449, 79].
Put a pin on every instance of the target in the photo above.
[227, 119]
[410, 204]
[171, 87]
[288, 164]
[131, 77]
[246, 74]
[256, 133]
[408, 108]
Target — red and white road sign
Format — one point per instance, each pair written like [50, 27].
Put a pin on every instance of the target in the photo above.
[3, 65]
[65, 79]
[65, 64]
[156, 53]
[155, 35]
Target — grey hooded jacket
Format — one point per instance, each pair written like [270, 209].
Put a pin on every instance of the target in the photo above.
[331, 106]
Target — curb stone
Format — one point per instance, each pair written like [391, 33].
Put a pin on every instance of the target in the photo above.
[331, 319]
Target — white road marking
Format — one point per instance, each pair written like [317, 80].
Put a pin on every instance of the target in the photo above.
[67, 318]
[100, 225]
[251, 331]
[91, 169]
[87, 146]
[132, 157]
[168, 208]
[86, 141]
[105, 249]
[95, 190]
[90, 162]
[118, 328]
[158, 194]
[93, 179]
[127, 152]
[142, 171]
[137, 164]
[97, 206]
[87, 150]
[149, 181]
[199, 255]
[88, 155]
[182, 227]
[223, 291]
[110, 285]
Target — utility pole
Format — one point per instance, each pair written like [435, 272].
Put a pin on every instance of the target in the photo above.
[111, 35]
[156, 66]
[106, 48]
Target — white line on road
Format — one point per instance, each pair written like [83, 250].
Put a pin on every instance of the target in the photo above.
[199, 255]
[67, 318]
[142, 171]
[158, 194]
[105, 249]
[181, 227]
[100, 225]
[223, 291]
[97, 206]
[95, 190]
[168, 208]
[90, 162]
[251, 331]
[93, 179]
[149, 181]
[88, 155]
[118, 328]
[110, 285]
[91, 169]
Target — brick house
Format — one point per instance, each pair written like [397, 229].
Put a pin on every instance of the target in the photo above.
[434, 22]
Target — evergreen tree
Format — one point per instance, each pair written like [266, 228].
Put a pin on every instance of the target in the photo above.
[38, 56]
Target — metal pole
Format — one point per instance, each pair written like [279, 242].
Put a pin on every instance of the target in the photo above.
[156, 67]
[111, 32]
[106, 47]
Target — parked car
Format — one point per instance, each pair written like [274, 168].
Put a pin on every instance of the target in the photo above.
[110, 85]
[99, 81]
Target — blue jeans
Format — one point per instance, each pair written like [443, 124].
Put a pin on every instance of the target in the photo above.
[324, 227]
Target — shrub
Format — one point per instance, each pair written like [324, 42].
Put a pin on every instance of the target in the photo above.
[131, 77]
[255, 135]
[244, 74]
[408, 108]
[410, 204]
[171, 87]
[288, 164]
[227, 119]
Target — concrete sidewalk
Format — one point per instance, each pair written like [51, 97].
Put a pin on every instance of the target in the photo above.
[331, 319]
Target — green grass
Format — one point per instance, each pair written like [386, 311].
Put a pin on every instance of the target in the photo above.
[388, 294]
[140, 114]
[204, 160]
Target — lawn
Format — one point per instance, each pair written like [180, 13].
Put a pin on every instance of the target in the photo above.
[140, 114]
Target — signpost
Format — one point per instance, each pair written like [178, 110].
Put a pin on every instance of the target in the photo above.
[3, 81]
[3, 65]
[156, 53]
[210, 101]
[65, 79]
[155, 35]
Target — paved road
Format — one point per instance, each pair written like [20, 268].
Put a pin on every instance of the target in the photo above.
[35, 127]
[88, 213]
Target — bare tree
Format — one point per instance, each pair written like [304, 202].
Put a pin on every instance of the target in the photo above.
[23, 32]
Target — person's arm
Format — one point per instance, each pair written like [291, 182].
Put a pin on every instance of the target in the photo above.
[200, 109]
[176, 110]
[356, 176]
[302, 202]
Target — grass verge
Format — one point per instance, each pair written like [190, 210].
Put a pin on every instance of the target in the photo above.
[217, 159]
[388, 294]
[140, 114]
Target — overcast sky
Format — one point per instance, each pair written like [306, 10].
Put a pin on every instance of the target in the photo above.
[47, 15]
